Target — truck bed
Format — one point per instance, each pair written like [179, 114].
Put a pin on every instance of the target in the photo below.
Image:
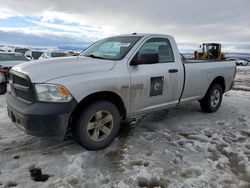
[200, 73]
[203, 60]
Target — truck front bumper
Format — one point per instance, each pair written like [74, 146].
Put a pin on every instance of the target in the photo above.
[40, 119]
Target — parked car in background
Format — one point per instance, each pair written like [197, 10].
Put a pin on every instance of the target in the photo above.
[33, 54]
[47, 55]
[72, 53]
[21, 50]
[6, 48]
[239, 62]
[8, 60]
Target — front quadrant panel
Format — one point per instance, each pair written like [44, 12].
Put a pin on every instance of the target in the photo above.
[156, 86]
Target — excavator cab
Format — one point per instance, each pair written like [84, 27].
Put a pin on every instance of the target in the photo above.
[210, 51]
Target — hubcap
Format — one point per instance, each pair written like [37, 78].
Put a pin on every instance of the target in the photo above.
[100, 125]
[215, 98]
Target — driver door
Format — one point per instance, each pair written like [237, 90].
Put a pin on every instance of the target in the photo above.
[154, 85]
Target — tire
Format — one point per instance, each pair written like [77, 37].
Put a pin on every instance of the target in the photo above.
[3, 88]
[212, 100]
[97, 125]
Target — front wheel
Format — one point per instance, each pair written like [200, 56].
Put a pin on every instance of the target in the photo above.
[3, 88]
[97, 125]
[212, 101]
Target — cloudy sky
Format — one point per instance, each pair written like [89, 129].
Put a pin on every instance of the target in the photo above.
[51, 23]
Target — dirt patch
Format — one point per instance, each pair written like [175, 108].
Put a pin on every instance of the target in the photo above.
[190, 173]
[74, 181]
[237, 168]
[185, 135]
[242, 119]
[245, 133]
[115, 155]
[139, 163]
[125, 131]
[151, 183]
[115, 158]
[37, 175]
[11, 184]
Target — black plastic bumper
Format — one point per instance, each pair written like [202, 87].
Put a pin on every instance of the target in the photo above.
[40, 119]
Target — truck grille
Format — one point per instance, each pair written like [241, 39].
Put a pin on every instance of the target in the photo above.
[21, 87]
[20, 81]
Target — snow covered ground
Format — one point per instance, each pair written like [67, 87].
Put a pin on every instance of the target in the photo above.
[243, 78]
[181, 147]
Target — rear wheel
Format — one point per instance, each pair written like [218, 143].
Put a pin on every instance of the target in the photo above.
[3, 88]
[212, 101]
[97, 126]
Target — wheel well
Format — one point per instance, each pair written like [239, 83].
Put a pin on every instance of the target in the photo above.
[105, 95]
[219, 80]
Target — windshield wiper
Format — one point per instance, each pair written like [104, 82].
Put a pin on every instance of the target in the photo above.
[94, 56]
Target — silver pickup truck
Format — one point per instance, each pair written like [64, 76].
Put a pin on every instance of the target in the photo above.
[116, 78]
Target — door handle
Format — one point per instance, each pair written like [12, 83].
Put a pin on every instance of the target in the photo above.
[173, 70]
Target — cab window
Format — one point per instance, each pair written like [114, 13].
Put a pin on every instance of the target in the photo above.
[160, 46]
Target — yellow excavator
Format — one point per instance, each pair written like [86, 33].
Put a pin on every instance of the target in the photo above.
[210, 51]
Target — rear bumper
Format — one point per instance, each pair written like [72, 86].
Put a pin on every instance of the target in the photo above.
[40, 119]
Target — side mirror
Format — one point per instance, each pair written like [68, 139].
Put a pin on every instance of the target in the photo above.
[145, 58]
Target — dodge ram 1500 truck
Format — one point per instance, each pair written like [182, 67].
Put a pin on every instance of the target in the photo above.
[114, 79]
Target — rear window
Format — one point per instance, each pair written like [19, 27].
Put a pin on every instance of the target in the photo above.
[12, 57]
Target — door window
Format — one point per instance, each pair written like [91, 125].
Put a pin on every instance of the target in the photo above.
[160, 46]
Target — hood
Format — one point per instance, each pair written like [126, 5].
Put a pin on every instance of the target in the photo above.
[41, 71]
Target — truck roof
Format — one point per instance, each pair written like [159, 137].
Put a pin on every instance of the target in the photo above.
[145, 34]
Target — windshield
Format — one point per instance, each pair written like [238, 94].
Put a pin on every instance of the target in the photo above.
[114, 48]
[12, 57]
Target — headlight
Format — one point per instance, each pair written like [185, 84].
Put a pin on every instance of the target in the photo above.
[52, 93]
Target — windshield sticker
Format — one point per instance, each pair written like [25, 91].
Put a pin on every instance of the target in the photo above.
[125, 45]
[121, 45]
